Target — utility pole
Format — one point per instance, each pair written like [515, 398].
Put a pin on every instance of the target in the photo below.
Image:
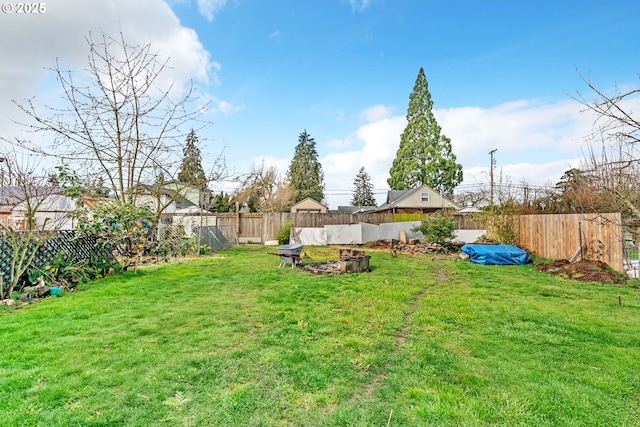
[493, 163]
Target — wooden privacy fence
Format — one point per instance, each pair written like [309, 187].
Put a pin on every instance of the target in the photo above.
[260, 227]
[574, 236]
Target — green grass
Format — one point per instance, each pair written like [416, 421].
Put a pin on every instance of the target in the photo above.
[232, 340]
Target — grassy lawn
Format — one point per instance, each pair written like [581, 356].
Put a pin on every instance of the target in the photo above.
[231, 340]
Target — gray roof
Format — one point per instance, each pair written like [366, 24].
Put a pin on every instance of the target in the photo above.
[355, 209]
[11, 195]
[469, 210]
[395, 196]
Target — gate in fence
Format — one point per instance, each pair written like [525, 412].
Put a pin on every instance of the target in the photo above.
[211, 236]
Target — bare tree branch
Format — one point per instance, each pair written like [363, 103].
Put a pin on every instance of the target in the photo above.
[117, 119]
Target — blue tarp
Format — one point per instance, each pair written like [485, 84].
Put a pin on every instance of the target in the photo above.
[496, 254]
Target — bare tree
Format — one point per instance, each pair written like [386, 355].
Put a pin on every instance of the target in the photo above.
[616, 114]
[21, 238]
[612, 177]
[118, 119]
[264, 190]
[122, 124]
[613, 169]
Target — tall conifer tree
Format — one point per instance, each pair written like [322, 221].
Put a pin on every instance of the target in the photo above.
[191, 171]
[305, 171]
[363, 190]
[425, 155]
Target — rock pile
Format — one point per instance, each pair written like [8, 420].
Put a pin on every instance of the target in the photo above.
[412, 247]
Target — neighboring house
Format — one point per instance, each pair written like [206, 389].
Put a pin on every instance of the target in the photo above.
[310, 206]
[356, 209]
[51, 213]
[184, 220]
[52, 208]
[174, 195]
[190, 195]
[469, 210]
[155, 198]
[10, 196]
[422, 199]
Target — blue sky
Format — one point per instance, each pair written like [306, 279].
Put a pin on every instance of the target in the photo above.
[499, 73]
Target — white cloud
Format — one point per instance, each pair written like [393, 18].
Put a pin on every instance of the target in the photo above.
[517, 173]
[378, 145]
[281, 164]
[60, 33]
[514, 127]
[209, 8]
[275, 35]
[360, 5]
[536, 143]
[224, 107]
[336, 143]
[376, 113]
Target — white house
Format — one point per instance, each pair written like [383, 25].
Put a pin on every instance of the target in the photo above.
[52, 212]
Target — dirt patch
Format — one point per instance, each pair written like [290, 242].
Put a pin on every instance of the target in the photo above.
[585, 271]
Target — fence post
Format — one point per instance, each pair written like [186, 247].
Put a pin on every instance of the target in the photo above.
[238, 217]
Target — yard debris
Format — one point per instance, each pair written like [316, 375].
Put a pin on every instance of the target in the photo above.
[329, 267]
[413, 247]
[351, 261]
[585, 271]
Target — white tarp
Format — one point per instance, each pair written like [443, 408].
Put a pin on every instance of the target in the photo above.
[344, 234]
[358, 234]
[370, 232]
[391, 230]
[468, 236]
[310, 236]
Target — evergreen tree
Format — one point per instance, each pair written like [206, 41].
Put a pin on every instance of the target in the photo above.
[424, 155]
[222, 202]
[191, 171]
[363, 190]
[305, 171]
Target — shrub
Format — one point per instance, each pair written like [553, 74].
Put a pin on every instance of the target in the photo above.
[284, 233]
[121, 227]
[502, 224]
[438, 228]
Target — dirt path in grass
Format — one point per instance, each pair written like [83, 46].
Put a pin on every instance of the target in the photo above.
[400, 339]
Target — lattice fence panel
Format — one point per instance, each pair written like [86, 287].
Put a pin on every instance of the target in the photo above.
[80, 249]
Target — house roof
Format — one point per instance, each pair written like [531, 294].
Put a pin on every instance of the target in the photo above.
[397, 195]
[469, 210]
[92, 202]
[355, 209]
[11, 195]
[306, 200]
[394, 197]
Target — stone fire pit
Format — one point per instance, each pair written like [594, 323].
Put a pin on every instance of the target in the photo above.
[351, 261]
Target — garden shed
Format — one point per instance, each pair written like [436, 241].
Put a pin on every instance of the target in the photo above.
[309, 205]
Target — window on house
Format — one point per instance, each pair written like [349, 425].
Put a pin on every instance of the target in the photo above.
[424, 197]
